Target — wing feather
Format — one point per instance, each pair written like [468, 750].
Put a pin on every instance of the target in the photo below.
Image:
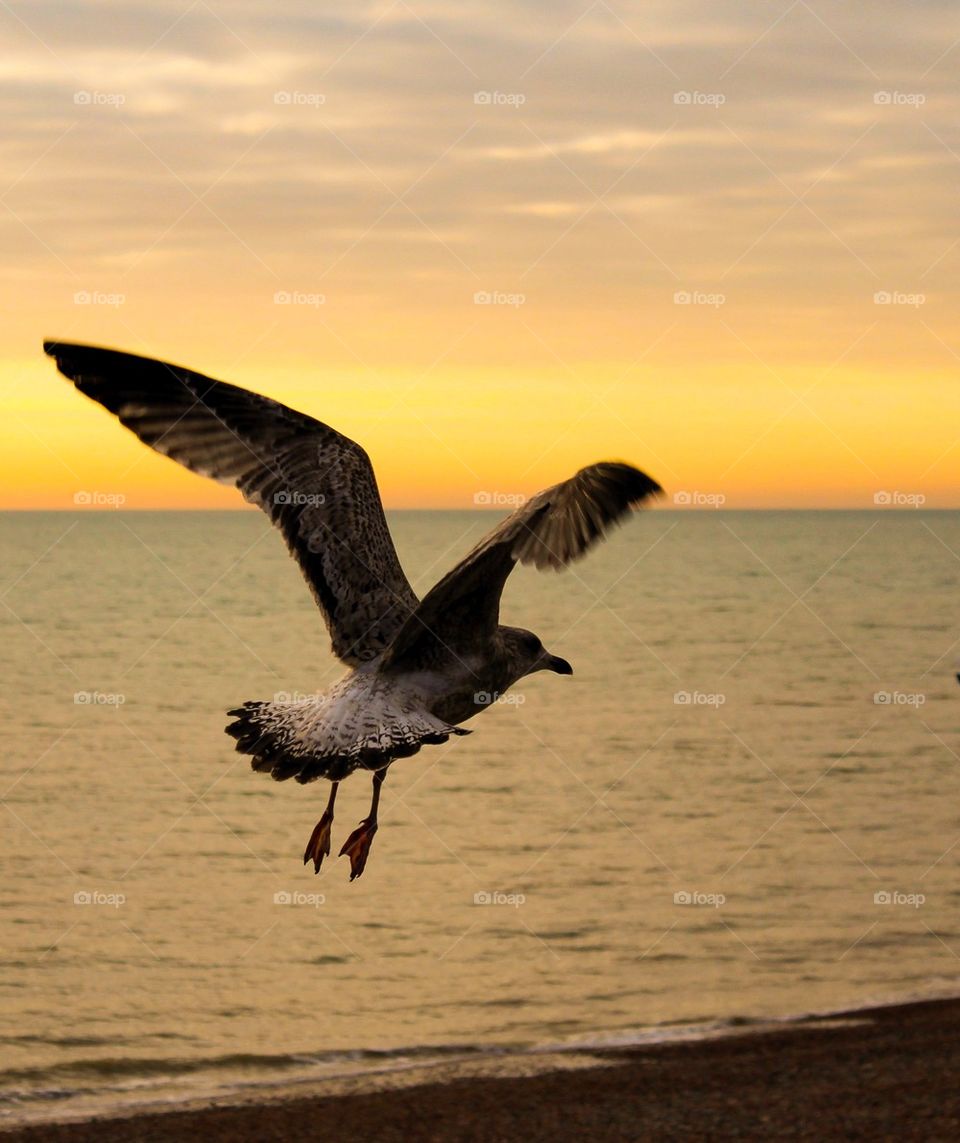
[555, 527]
[316, 485]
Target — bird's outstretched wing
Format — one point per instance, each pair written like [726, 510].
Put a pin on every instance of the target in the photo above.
[552, 529]
[317, 486]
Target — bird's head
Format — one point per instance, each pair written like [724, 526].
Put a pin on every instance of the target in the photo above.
[527, 654]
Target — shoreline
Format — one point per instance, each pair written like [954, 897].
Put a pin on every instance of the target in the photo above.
[877, 1072]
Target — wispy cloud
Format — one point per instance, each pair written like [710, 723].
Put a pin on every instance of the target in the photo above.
[399, 157]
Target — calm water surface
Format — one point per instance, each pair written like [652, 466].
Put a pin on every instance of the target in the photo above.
[758, 744]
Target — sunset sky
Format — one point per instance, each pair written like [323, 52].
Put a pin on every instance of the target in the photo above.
[719, 240]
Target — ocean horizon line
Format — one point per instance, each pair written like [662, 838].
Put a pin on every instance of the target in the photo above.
[703, 510]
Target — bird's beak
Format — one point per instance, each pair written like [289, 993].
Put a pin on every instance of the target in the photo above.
[556, 664]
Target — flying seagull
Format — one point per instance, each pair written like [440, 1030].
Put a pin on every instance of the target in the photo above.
[417, 668]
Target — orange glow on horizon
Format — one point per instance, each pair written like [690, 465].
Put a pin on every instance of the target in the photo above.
[442, 447]
[749, 295]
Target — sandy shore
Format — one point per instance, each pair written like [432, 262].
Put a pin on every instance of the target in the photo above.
[883, 1074]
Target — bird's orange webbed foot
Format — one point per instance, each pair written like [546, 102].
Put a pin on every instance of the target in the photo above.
[357, 846]
[318, 847]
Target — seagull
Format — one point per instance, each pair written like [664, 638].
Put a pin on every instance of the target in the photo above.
[417, 669]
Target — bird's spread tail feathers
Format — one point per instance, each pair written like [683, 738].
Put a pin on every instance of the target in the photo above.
[331, 735]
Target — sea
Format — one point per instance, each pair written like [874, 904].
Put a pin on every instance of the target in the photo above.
[743, 806]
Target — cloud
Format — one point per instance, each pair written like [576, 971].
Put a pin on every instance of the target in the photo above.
[548, 209]
[309, 139]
